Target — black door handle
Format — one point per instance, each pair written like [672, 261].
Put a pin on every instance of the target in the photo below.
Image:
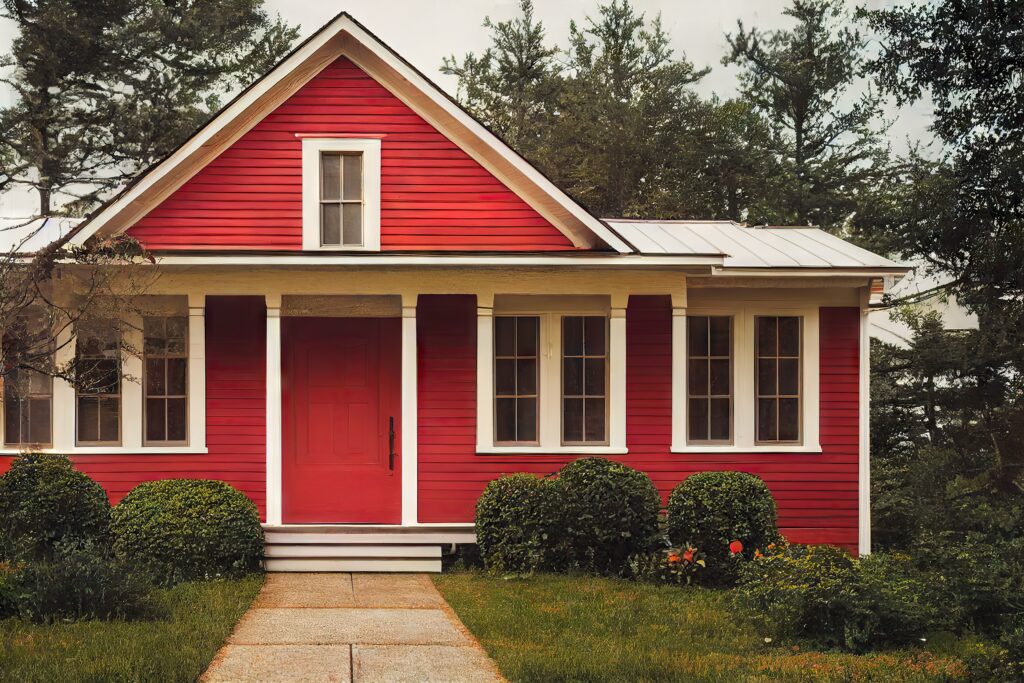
[391, 442]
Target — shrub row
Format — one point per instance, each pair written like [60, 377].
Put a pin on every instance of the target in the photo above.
[599, 515]
[65, 554]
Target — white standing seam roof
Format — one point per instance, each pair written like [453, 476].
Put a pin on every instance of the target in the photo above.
[748, 247]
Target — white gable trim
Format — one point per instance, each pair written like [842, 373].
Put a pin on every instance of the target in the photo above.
[343, 36]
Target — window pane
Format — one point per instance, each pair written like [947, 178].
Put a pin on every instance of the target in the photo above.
[40, 383]
[766, 368]
[155, 420]
[39, 420]
[88, 418]
[177, 328]
[594, 374]
[110, 420]
[697, 377]
[720, 377]
[720, 421]
[330, 176]
[155, 384]
[504, 336]
[594, 414]
[766, 417]
[526, 335]
[766, 332]
[176, 376]
[330, 224]
[698, 419]
[526, 376]
[12, 419]
[697, 344]
[594, 335]
[789, 336]
[176, 420]
[353, 176]
[720, 326]
[572, 419]
[505, 422]
[353, 224]
[505, 376]
[789, 419]
[526, 420]
[572, 336]
[155, 335]
[789, 377]
[572, 377]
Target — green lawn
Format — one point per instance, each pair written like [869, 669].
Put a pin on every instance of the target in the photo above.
[201, 615]
[558, 628]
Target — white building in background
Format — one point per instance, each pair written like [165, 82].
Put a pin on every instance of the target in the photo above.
[886, 327]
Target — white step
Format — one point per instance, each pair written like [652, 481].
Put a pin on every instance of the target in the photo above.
[317, 564]
[339, 537]
[354, 551]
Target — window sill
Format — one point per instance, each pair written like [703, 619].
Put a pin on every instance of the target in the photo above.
[112, 450]
[816, 449]
[551, 450]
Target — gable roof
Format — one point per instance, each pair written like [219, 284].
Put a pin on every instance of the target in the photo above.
[344, 36]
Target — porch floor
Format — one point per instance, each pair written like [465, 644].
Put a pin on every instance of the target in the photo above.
[350, 628]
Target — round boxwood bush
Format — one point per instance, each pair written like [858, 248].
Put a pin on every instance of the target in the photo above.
[711, 510]
[44, 502]
[186, 529]
[610, 513]
[517, 524]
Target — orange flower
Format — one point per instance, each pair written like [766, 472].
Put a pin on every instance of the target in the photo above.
[688, 555]
[735, 547]
[673, 558]
[758, 553]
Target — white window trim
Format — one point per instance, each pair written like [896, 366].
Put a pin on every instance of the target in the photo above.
[311, 151]
[549, 406]
[744, 402]
[64, 410]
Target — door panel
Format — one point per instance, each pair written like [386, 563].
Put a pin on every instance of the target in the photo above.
[341, 382]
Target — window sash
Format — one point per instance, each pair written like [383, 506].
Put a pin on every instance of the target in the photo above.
[341, 201]
[710, 361]
[106, 398]
[590, 354]
[517, 359]
[26, 412]
[769, 396]
[162, 347]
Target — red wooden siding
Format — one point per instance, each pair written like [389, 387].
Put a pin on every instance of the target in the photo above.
[433, 195]
[235, 412]
[816, 494]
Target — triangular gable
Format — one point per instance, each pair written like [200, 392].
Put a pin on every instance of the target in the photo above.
[344, 80]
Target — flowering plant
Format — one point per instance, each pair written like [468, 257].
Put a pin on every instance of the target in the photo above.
[669, 565]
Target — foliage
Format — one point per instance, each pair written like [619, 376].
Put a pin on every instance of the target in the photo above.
[80, 581]
[178, 648]
[185, 529]
[45, 501]
[610, 512]
[519, 524]
[679, 566]
[710, 510]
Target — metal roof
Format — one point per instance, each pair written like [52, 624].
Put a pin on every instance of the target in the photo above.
[748, 247]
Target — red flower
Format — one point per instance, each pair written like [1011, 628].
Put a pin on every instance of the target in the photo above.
[735, 547]
[688, 555]
[673, 558]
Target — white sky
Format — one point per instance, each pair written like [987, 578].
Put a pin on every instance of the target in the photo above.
[425, 31]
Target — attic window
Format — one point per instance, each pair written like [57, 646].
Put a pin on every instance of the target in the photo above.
[341, 194]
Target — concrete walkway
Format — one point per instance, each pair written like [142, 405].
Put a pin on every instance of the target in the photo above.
[351, 628]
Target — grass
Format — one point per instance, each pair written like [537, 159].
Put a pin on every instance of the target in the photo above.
[566, 628]
[178, 648]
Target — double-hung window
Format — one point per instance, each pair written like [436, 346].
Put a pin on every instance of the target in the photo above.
[165, 380]
[709, 379]
[778, 344]
[28, 404]
[584, 380]
[341, 194]
[516, 379]
[341, 199]
[98, 379]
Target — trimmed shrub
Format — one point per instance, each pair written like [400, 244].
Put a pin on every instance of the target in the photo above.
[711, 510]
[901, 601]
[45, 502]
[186, 529]
[81, 581]
[517, 524]
[610, 512]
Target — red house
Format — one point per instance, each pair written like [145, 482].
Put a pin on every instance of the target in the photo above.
[369, 307]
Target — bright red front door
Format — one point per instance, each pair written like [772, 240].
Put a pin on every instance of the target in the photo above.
[341, 389]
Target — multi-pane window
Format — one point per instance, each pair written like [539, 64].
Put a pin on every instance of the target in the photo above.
[777, 340]
[27, 394]
[98, 369]
[166, 379]
[341, 199]
[516, 379]
[709, 378]
[584, 379]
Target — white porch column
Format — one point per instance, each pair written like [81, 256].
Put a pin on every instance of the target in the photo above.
[64, 395]
[132, 400]
[410, 406]
[678, 373]
[484, 370]
[864, 420]
[273, 408]
[617, 370]
[197, 370]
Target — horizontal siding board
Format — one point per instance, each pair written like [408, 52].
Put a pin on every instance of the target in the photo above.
[434, 196]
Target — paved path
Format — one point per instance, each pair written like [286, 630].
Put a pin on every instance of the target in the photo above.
[350, 628]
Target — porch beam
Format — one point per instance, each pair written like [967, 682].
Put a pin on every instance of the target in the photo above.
[273, 418]
[410, 403]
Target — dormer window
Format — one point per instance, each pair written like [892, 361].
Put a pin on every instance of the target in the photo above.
[341, 194]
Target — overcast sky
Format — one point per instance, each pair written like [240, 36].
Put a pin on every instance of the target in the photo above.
[425, 31]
